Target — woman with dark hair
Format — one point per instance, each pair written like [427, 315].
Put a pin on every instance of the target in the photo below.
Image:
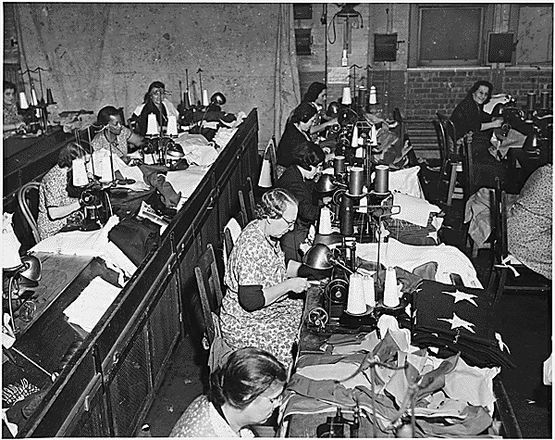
[245, 391]
[154, 102]
[55, 205]
[12, 120]
[257, 309]
[316, 95]
[296, 132]
[113, 135]
[469, 114]
[307, 160]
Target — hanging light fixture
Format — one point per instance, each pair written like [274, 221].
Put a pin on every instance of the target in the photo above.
[352, 19]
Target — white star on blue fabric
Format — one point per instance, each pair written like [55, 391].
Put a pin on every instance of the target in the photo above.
[456, 322]
[462, 296]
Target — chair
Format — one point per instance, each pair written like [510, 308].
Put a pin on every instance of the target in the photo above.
[210, 292]
[268, 171]
[527, 280]
[246, 201]
[25, 199]
[451, 164]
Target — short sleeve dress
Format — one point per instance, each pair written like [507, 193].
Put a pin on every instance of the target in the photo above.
[254, 260]
[201, 419]
[120, 147]
[53, 193]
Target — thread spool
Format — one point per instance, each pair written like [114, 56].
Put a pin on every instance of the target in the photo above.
[369, 290]
[373, 96]
[49, 97]
[79, 172]
[381, 181]
[531, 101]
[362, 97]
[545, 100]
[152, 128]
[34, 99]
[356, 304]
[339, 165]
[356, 181]
[23, 104]
[391, 292]
[346, 99]
[324, 226]
[172, 126]
[205, 101]
[346, 216]
[354, 139]
[373, 136]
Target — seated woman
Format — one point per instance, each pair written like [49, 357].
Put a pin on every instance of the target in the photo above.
[12, 120]
[244, 392]
[257, 310]
[114, 136]
[298, 180]
[530, 222]
[296, 132]
[316, 95]
[55, 205]
[154, 102]
[469, 114]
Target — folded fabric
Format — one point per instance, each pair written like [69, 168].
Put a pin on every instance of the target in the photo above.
[405, 181]
[413, 209]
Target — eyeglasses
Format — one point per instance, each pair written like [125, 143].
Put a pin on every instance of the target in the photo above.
[289, 222]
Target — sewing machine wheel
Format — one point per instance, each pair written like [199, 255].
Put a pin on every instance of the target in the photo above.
[318, 317]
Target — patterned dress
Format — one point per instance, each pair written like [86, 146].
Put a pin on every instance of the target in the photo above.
[529, 222]
[201, 419]
[53, 193]
[255, 261]
[119, 147]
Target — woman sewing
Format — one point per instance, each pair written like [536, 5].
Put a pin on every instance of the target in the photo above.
[258, 309]
[56, 207]
[12, 120]
[245, 391]
[298, 179]
[114, 136]
[469, 114]
[154, 102]
[296, 132]
[316, 95]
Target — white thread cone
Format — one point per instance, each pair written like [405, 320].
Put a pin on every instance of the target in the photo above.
[324, 226]
[391, 292]
[354, 139]
[373, 136]
[265, 179]
[369, 290]
[373, 96]
[23, 104]
[172, 126]
[105, 167]
[152, 125]
[79, 172]
[356, 303]
[346, 99]
[205, 101]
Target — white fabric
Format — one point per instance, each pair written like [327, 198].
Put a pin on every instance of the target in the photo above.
[10, 243]
[449, 258]
[413, 209]
[235, 230]
[406, 181]
[197, 149]
[89, 243]
[186, 181]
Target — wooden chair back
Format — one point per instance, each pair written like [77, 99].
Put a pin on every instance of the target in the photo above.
[210, 290]
[246, 201]
[29, 209]
[468, 171]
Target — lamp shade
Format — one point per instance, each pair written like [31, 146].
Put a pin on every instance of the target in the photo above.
[326, 183]
[33, 268]
[218, 99]
[333, 109]
[317, 257]
[175, 151]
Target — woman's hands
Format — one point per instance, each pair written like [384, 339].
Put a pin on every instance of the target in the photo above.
[298, 284]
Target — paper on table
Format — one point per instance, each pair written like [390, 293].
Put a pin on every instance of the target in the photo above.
[93, 302]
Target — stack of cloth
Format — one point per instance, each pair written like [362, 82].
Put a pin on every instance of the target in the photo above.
[459, 319]
[450, 398]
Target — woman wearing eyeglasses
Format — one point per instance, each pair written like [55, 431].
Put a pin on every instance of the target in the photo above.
[298, 178]
[245, 391]
[154, 102]
[260, 308]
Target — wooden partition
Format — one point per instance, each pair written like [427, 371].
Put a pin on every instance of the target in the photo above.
[108, 385]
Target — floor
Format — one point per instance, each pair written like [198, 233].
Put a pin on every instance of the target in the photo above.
[524, 321]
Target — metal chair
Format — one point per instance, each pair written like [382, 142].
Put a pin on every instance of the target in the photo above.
[210, 292]
[246, 202]
[24, 199]
[451, 164]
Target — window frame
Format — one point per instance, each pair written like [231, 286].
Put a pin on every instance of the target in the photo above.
[486, 27]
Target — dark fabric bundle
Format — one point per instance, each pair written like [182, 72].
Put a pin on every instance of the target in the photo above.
[459, 319]
[409, 233]
[135, 238]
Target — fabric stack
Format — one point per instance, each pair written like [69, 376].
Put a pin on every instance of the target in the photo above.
[459, 319]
